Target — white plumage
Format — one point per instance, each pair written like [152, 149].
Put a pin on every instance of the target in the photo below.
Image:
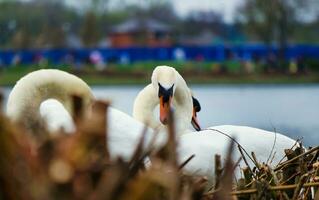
[125, 133]
[205, 144]
[33, 89]
[56, 116]
[30, 101]
[44, 96]
[148, 100]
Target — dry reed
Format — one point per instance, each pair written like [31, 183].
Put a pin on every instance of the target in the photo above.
[79, 166]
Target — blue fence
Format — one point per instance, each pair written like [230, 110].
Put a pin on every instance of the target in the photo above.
[208, 53]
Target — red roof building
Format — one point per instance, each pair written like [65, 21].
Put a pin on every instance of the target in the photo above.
[141, 32]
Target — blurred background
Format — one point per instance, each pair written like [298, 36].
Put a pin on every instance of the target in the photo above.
[249, 62]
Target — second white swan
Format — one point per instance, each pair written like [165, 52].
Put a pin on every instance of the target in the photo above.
[214, 140]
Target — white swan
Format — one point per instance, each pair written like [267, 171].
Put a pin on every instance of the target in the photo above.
[204, 144]
[27, 105]
[168, 89]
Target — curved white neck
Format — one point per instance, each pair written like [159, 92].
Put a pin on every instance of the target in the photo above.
[30, 91]
[147, 100]
[144, 105]
[183, 105]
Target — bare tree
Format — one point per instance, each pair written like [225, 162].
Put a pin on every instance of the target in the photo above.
[21, 39]
[272, 20]
[89, 31]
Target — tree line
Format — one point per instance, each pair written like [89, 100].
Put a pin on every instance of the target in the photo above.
[47, 24]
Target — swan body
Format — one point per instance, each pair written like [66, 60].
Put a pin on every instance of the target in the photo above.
[207, 143]
[125, 133]
[148, 98]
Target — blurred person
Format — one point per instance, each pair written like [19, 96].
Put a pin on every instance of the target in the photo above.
[293, 66]
[16, 60]
[247, 64]
[97, 60]
[124, 59]
[40, 60]
[69, 58]
[179, 54]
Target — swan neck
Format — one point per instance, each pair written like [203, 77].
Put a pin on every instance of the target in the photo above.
[182, 92]
[184, 106]
[144, 105]
[30, 91]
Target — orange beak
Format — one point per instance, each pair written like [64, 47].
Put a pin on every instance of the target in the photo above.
[164, 110]
[195, 121]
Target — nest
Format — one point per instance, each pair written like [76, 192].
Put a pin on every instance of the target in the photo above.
[79, 166]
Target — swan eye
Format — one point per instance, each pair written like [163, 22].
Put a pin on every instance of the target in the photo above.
[165, 93]
[196, 104]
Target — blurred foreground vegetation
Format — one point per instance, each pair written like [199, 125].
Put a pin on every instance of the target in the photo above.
[80, 166]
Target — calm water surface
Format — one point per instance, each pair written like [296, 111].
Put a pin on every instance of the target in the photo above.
[290, 109]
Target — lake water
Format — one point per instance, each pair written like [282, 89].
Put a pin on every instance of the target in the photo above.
[290, 109]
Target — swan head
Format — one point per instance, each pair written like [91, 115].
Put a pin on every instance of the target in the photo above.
[196, 109]
[164, 81]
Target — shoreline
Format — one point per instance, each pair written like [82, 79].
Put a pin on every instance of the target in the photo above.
[5, 82]
[104, 78]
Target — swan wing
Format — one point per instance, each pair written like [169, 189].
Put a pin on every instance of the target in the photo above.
[124, 134]
[262, 142]
[206, 144]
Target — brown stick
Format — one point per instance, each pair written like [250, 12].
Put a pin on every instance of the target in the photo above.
[276, 181]
[317, 195]
[295, 158]
[299, 186]
[244, 158]
[253, 155]
[233, 139]
[274, 188]
[293, 146]
[218, 170]
[181, 166]
[273, 146]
